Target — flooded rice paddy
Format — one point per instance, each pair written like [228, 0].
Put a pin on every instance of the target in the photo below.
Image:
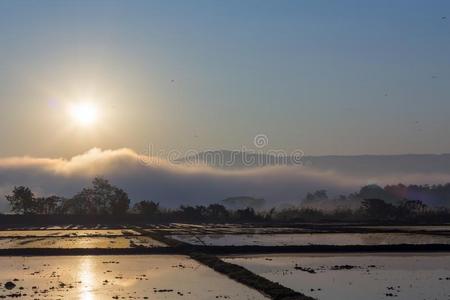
[73, 238]
[66, 233]
[174, 275]
[433, 228]
[80, 242]
[124, 277]
[304, 239]
[375, 276]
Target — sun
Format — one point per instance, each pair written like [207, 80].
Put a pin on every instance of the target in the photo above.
[84, 113]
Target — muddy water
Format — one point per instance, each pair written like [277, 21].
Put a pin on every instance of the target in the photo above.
[108, 277]
[376, 276]
[338, 239]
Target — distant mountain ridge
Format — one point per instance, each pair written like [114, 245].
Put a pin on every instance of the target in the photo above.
[352, 164]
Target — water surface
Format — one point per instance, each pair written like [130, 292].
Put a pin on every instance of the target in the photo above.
[124, 277]
[303, 239]
[371, 277]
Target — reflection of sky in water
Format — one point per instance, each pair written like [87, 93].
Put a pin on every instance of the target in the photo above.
[78, 242]
[125, 277]
[372, 276]
[313, 239]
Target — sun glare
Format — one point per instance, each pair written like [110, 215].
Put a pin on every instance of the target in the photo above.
[84, 113]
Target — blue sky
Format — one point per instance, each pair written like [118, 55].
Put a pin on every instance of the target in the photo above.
[327, 77]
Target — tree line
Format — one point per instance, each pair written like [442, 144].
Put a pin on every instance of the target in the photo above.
[104, 199]
[435, 196]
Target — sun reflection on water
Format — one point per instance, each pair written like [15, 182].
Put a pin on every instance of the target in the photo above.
[86, 276]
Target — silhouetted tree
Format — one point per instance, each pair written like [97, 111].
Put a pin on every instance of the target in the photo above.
[77, 205]
[102, 198]
[48, 205]
[217, 212]
[148, 208]
[268, 215]
[247, 214]
[377, 209]
[22, 200]
[190, 213]
[119, 203]
[410, 209]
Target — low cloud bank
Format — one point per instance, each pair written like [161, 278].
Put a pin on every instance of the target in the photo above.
[172, 185]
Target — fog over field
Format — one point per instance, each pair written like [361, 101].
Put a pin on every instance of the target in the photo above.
[173, 184]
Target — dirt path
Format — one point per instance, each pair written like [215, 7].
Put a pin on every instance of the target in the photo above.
[240, 274]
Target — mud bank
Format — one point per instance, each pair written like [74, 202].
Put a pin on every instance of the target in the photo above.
[223, 250]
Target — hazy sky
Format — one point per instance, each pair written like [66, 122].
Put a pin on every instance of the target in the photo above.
[327, 77]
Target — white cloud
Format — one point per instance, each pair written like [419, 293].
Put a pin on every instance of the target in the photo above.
[172, 185]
